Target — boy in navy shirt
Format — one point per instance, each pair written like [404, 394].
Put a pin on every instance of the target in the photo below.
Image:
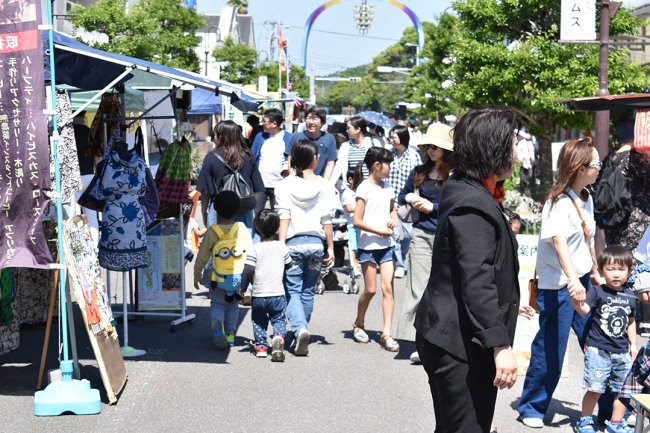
[611, 338]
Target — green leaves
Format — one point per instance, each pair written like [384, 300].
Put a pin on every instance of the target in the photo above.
[162, 31]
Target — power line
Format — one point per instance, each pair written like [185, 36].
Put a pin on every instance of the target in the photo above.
[348, 34]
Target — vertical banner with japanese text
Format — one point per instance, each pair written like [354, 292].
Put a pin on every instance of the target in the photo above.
[24, 148]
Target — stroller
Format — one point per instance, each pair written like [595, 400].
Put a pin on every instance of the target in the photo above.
[328, 279]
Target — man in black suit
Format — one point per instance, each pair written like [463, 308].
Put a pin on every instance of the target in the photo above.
[466, 320]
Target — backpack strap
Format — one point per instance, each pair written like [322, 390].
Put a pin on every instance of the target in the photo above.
[224, 163]
[217, 230]
[585, 230]
[234, 229]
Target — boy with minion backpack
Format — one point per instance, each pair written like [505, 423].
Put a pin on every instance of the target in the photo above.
[226, 244]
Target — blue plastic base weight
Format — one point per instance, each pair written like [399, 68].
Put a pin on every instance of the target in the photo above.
[61, 396]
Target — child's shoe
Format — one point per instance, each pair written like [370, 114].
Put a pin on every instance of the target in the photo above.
[357, 271]
[585, 425]
[219, 337]
[261, 351]
[619, 427]
[230, 338]
[277, 349]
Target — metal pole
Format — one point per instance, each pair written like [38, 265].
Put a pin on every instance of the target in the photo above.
[602, 117]
[206, 63]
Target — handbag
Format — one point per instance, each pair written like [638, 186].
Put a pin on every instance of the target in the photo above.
[234, 182]
[93, 198]
[407, 213]
[533, 292]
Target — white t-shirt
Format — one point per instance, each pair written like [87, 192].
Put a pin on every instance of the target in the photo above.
[563, 220]
[271, 159]
[269, 260]
[376, 213]
[642, 252]
[348, 197]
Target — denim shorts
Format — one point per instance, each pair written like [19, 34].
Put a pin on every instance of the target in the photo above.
[603, 368]
[352, 238]
[376, 256]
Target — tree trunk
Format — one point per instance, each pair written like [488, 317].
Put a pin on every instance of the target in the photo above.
[545, 162]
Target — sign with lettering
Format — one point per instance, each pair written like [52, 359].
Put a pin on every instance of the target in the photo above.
[24, 148]
[159, 284]
[578, 20]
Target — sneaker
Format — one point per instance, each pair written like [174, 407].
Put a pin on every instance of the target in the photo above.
[230, 338]
[534, 422]
[261, 351]
[584, 425]
[277, 349]
[400, 273]
[415, 358]
[219, 337]
[619, 427]
[302, 343]
[631, 420]
[357, 271]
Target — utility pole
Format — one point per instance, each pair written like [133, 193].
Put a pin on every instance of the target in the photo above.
[312, 81]
[601, 118]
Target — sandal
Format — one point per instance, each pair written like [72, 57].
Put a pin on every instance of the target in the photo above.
[388, 342]
[359, 334]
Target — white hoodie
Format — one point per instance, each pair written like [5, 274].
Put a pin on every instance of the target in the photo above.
[307, 204]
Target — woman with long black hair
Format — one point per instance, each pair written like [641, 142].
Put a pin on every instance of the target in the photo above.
[230, 150]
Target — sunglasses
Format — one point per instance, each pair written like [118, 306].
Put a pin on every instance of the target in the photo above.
[594, 164]
[428, 146]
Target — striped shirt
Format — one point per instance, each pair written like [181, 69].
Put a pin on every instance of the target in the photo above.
[357, 154]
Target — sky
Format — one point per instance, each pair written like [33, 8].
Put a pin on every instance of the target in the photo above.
[334, 40]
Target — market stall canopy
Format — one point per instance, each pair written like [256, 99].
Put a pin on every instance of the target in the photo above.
[79, 65]
[610, 102]
[134, 99]
[205, 102]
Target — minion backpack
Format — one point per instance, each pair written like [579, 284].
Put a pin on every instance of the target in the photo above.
[228, 257]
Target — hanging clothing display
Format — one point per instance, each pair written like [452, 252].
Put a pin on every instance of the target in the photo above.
[68, 161]
[10, 335]
[150, 202]
[34, 286]
[173, 175]
[110, 105]
[123, 241]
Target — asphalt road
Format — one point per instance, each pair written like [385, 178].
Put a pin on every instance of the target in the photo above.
[184, 384]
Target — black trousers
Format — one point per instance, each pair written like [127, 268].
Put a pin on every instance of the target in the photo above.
[463, 393]
[262, 196]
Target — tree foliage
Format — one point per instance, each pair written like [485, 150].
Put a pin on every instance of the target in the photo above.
[506, 52]
[162, 31]
[300, 79]
[240, 5]
[240, 67]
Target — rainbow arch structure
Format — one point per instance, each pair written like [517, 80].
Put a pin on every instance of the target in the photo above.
[312, 18]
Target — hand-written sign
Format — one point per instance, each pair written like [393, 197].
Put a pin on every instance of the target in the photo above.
[24, 153]
[578, 20]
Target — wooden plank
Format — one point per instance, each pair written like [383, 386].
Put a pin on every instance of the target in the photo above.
[107, 349]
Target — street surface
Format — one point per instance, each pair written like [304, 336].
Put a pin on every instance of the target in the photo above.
[184, 384]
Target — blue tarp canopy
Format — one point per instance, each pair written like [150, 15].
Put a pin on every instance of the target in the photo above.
[205, 102]
[87, 68]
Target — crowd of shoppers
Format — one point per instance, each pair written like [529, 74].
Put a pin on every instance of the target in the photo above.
[457, 250]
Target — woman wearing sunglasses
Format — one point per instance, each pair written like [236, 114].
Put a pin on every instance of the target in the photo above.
[422, 191]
